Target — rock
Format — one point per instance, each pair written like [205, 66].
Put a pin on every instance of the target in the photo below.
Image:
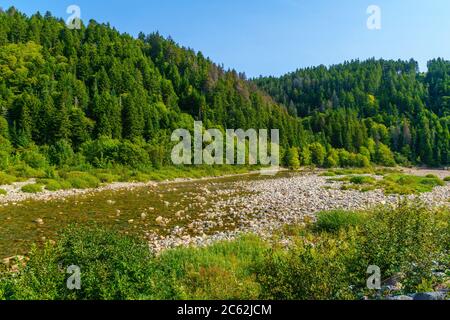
[430, 296]
[160, 221]
[110, 202]
[143, 216]
[39, 221]
[130, 221]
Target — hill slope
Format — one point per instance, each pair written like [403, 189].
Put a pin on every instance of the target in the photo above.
[387, 101]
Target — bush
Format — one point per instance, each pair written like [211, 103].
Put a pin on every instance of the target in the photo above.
[409, 184]
[328, 261]
[3, 192]
[132, 155]
[292, 158]
[362, 180]
[32, 188]
[34, 159]
[336, 220]
[384, 156]
[305, 156]
[61, 153]
[6, 178]
[55, 185]
[81, 180]
[112, 267]
[318, 153]
[309, 271]
[403, 240]
[447, 179]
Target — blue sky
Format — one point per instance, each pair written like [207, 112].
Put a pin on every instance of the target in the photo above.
[273, 37]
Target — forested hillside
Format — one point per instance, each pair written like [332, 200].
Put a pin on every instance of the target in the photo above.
[96, 97]
[357, 104]
[114, 99]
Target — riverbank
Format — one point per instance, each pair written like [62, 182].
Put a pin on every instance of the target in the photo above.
[15, 194]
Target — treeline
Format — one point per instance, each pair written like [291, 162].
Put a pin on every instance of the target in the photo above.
[98, 97]
[357, 104]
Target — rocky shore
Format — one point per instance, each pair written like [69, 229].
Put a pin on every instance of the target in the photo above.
[273, 203]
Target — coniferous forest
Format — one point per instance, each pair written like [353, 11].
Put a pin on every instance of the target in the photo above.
[99, 97]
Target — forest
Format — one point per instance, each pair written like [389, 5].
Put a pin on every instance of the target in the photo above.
[98, 98]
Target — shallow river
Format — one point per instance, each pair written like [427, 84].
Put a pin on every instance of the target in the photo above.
[132, 211]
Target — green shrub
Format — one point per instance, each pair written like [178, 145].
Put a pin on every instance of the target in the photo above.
[336, 220]
[61, 153]
[113, 267]
[318, 153]
[224, 270]
[55, 185]
[362, 180]
[34, 159]
[404, 240]
[447, 179]
[409, 184]
[292, 158]
[107, 177]
[3, 192]
[81, 180]
[6, 178]
[309, 271]
[32, 188]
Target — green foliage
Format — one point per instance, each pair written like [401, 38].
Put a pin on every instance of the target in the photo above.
[384, 156]
[362, 180]
[6, 178]
[309, 271]
[388, 103]
[34, 159]
[112, 267]
[318, 154]
[32, 188]
[3, 192]
[409, 184]
[292, 158]
[81, 180]
[406, 240]
[337, 220]
[326, 261]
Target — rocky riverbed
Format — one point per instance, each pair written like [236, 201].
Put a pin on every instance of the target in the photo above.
[184, 213]
[271, 203]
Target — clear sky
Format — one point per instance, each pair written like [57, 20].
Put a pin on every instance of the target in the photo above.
[273, 37]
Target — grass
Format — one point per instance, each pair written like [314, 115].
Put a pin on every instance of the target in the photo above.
[392, 183]
[409, 184]
[32, 188]
[87, 177]
[447, 179]
[6, 179]
[337, 220]
[3, 192]
[326, 260]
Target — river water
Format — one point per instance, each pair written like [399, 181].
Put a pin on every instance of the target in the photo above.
[130, 211]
